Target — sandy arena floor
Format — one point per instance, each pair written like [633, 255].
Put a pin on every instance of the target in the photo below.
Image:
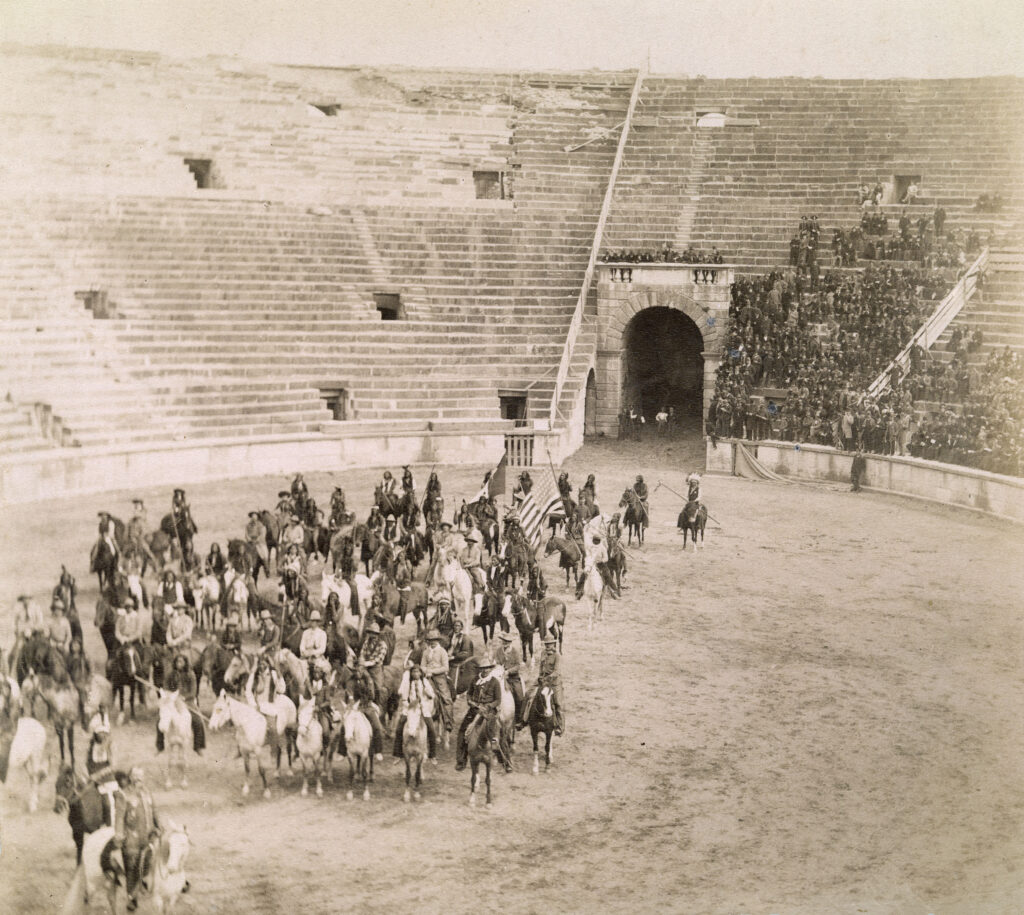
[818, 713]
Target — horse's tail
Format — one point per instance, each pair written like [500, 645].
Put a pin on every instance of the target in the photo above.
[76, 893]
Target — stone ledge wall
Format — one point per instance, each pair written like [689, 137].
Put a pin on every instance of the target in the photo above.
[963, 487]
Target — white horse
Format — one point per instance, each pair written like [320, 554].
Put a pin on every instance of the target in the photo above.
[593, 594]
[364, 594]
[238, 599]
[207, 601]
[414, 749]
[358, 737]
[251, 729]
[167, 876]
[310, 744]
[461, 585]
[28, 752]
[175, 723]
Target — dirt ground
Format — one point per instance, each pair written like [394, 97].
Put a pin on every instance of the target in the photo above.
[820, 712]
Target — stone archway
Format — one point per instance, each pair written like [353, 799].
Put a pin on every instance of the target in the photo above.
[706, 307]
[662, 364]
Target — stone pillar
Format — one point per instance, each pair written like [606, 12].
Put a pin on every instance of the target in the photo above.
[608, 377]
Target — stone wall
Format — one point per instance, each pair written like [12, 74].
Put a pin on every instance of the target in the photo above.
[963, 487]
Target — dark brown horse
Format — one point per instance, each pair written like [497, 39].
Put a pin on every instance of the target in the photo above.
[569, 556]
[635, 518]
[693, 518]
[543, 616]
[87, 810]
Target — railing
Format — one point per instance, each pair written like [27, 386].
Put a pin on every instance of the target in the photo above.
[701, 274]
[937, 322]
[577, 317]
[519, 448]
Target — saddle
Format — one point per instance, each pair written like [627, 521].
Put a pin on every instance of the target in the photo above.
[112, 863]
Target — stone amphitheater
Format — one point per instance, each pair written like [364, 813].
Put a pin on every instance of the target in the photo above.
[216, 273]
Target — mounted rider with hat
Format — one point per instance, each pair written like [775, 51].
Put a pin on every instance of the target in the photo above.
[549, 675]
[484, 700]
[417, 691]
[313, 645]
[435, 664]
[371, 663]
[136, 826]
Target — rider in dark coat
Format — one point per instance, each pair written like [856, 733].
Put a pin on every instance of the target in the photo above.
[484, 699]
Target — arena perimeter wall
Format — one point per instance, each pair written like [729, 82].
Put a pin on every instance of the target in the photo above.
[963, 487]
[81, 471]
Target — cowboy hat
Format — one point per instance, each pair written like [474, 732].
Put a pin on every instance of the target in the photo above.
[390, 517]
[315, 617]
[549, 639]
[472, 537]
[487, 660]
[446, 524]
[283, 494]
[265, 614]
[433, 635]
[137, 502]
[232, 620]
[505, 636]
[254, 514]
[295, 517]
[179, 492]
[443, 599]
[370, 627]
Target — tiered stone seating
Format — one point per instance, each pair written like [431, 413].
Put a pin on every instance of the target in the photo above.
[18, 434]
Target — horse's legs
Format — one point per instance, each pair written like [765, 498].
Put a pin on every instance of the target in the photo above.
[60, 739]
[473, 778]
[263, 775]
[245, 784]
[351, 777]
[71, 743]
[487, 764]
[547, 749]
[408, 778]
[536, 751]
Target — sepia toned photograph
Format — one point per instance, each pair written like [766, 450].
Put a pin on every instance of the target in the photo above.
[536, 456]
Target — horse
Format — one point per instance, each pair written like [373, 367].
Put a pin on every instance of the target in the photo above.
[156, 548]
[103, 560]
[591, 587]
[175, 723]
[542, 721]
[616, 560]
[213, 663]
[480, 752]
[309, 742]
[106, 621]
[569, 555]
[85, 807]
[693, 518]
[636, 516]
[358, 736]
[236, 599]
[496, 609]
[38, 654]
[458, 581]
[245, 558]
[251, 731]
[318, 538]
[25, 748]
[129, 661]
[543, 616]
[414, 749]
[167, 875]
[517, 561]
[207, 599]
[341, 550]
[62, 706]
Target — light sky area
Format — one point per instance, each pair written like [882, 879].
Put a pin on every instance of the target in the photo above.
[716, 38]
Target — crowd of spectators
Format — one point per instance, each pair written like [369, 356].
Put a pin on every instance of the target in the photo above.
[825, 343]
[666, 254]
[978, 422]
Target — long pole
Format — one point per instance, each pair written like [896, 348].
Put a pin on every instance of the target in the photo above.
[671, 490]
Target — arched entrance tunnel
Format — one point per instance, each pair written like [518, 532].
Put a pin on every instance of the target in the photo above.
[662, 364]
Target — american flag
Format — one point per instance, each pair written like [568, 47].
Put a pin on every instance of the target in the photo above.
[542, 500]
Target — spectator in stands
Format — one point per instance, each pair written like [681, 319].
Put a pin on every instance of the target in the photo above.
[912, 193]
[939, 220]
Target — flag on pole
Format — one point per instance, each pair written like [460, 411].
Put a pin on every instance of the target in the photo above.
[541, 501]
[494, 481]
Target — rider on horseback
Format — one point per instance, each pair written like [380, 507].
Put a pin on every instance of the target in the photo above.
[299, 491]
[509, 657]
[59, 628]
[128, 628]
[319, 690]
[181, 514]
[417, 690]
[391, 533]
[693, 482]
[179, 631]
[549, 675]
[268, 632]
[231, 638]
[108, 532]
[182, 678]
[597, 556]
[337, 508]
[434, 662]
[313, 645]
[408, 483]
[136, 825]
[471, 559]
[371, 662]
[484, 700]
